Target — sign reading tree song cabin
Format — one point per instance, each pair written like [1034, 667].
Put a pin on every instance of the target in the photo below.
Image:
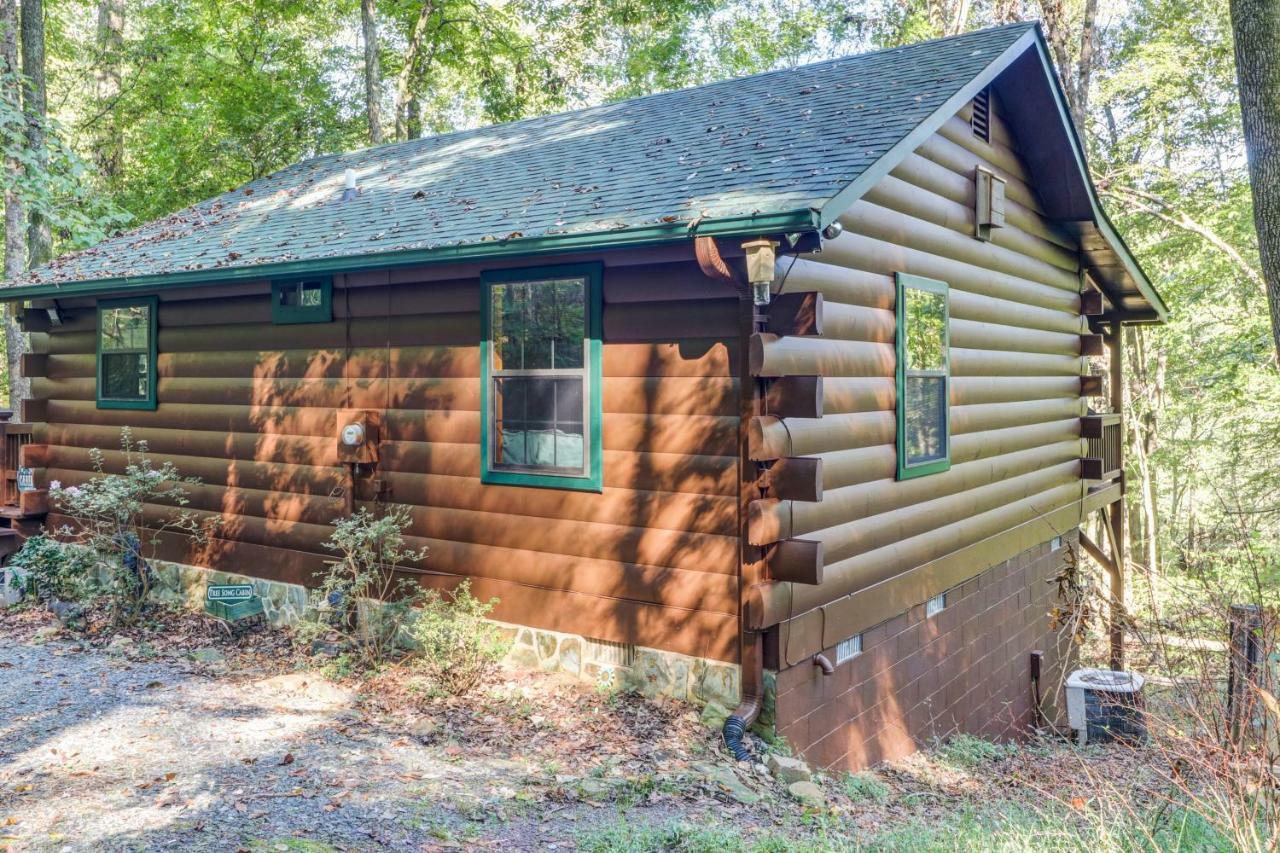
[230, 592]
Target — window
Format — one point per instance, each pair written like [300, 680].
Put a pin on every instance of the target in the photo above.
[127, 354]
[540, 421]
[847, 650]
[924, 429]
[307, 300]
[935, 605]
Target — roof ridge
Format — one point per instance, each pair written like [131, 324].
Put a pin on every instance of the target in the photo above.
[439, 137]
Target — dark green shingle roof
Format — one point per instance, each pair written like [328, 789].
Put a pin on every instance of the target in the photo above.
[784, 142]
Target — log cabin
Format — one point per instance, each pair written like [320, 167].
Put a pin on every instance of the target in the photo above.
[789, 374]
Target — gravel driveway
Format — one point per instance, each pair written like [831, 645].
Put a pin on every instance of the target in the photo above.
[102, 753]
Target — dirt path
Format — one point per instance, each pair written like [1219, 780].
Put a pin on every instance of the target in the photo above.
[100, 752]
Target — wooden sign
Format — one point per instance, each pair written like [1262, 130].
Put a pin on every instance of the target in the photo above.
[230, 592]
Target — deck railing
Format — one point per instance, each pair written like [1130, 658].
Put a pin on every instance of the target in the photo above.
[1104, 458]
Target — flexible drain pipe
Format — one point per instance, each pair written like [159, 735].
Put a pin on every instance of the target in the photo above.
[735, 728]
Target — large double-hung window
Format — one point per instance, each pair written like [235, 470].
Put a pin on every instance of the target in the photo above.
[541, 363]
[924, 376]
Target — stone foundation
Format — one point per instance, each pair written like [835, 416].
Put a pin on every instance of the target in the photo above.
[649, 672]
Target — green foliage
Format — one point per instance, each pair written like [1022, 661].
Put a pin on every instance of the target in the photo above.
[865, 787]
[373, 550]
[455, 647]
[627, 837]
[969, 752]
[55, 571]
[54, 183]
[121, 518]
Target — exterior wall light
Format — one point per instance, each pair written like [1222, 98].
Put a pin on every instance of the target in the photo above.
[761, 256]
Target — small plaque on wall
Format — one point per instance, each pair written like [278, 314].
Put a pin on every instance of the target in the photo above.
[26, 480]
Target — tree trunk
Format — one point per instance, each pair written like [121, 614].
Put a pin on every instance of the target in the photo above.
[372, 71]
[405, 94]
[39, 240]
[1256, 26]
[15, 237]
[1084, 65]
[109, 151]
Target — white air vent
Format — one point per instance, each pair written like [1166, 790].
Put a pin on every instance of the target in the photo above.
[610, 653]
[935, 605]
[848, 649]
[1056, 543]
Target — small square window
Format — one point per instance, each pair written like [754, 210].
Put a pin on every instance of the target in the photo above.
[1056, 543]
[847, 650]
[303, 300]
[935, 605]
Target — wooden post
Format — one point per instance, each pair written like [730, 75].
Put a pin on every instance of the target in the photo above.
[1116, 510]
[1244, 622]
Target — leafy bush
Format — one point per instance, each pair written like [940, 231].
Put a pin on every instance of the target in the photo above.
[57, 572]
[456, 647]
[122, 518]
[372, 548]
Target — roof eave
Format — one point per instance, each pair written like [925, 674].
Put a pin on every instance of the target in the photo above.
[1034, 37]
[804, 220]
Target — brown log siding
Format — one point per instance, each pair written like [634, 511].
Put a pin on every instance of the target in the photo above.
[1015, 388]
[251, 409]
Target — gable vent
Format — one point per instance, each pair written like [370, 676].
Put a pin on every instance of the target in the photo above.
[981, 119]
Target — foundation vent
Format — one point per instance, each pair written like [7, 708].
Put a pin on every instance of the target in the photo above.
[981, 120]
[610, 653]
[935, 605]
[849, 649]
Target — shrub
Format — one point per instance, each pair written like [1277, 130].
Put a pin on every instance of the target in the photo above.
[963, 750]
[110, 518]
[865, 786]
[456, 647]
[372, 548]
[55, 571]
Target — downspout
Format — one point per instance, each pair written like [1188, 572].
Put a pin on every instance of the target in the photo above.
[760, 255]
[752, 665]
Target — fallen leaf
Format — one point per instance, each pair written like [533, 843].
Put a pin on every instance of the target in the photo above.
[288, 758]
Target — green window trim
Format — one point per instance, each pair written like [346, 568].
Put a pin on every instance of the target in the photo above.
[591, 481]
[147, 402]
[905, 282]
[283, 313]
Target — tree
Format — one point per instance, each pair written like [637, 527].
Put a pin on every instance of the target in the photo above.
[34, 103]
[15, 224]
[372, 70]
[109, 153]
[1256, 27]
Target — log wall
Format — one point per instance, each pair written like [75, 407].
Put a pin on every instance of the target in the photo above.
[1016, 398]
[251, 409]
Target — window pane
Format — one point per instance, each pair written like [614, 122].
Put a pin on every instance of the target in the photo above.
[304, 294]
[925, 416]
[571, 325]
[538, 422]
[124, 376]
[125, 328]
[538, 325]
[926, 326]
